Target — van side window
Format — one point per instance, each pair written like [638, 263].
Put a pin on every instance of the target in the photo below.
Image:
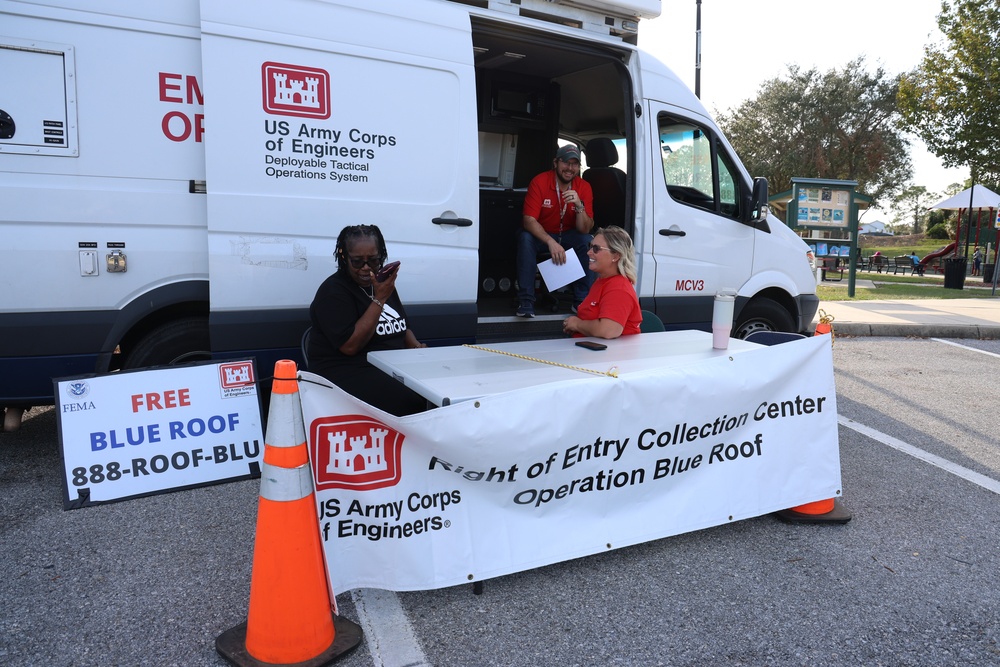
[696, 171]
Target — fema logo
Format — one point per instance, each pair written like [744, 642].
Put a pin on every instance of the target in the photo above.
[355, 452]
[295, 90]
[78, 389]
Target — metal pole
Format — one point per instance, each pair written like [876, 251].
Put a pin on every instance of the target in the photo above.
[697, 51]
[968, 224]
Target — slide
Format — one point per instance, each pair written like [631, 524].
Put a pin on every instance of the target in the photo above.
[940, 253]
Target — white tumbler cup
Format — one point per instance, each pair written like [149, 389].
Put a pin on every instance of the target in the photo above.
[722, 318]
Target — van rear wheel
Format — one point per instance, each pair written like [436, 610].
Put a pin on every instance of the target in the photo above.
[763, 315]
[176, 342]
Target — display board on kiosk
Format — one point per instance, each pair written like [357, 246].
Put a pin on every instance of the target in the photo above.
[827, 212]
[138, 433]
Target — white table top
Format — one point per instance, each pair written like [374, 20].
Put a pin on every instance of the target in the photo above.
[446, 375]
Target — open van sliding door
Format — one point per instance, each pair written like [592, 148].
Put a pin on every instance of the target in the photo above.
[327, 114]
[699, 244]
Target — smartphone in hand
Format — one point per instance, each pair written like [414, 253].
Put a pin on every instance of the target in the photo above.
[386, 271]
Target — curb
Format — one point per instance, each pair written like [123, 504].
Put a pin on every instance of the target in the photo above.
[977, 331]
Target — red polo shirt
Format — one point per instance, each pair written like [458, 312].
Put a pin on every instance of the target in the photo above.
[544, 203]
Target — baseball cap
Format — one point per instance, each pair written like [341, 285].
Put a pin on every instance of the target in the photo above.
[567, 153]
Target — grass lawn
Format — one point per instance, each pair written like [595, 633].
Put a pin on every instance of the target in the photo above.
[904, 287]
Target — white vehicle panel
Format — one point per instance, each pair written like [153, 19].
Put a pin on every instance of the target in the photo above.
[318, 132]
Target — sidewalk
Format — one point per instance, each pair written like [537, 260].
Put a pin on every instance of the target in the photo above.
[924, 318]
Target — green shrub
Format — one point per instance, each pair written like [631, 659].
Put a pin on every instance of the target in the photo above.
[938, 231]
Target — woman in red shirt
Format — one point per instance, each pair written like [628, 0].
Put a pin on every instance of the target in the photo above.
[611, 308]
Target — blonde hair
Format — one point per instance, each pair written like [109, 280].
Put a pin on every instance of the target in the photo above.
[620, 242]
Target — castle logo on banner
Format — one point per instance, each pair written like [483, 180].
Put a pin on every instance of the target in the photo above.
[355, 452]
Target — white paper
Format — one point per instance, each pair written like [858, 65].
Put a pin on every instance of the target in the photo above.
[555, 276]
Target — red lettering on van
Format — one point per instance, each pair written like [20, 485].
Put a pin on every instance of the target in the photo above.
[165, 86]
[178, 127]
[689, 286]
[169, 83]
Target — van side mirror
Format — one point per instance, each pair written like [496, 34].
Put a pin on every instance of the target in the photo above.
[758, 204]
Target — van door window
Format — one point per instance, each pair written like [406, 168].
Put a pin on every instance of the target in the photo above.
[697, 172]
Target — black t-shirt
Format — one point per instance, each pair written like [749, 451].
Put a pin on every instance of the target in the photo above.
[338, 305]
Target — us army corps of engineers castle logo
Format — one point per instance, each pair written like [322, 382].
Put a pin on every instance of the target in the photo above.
[295, 90]
[354, 452]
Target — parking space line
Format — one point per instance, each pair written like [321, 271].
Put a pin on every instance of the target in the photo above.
[965, 347]
[976, 478]
[388, 632]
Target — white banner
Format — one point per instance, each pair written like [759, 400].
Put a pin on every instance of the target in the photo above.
[136, 433]
[523, 479]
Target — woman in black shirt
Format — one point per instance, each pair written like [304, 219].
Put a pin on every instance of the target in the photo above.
[353, 314]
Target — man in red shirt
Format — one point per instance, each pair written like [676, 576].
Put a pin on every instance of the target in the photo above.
[558, 216]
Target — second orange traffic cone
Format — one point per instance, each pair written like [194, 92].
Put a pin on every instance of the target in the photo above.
[291, 620]
[821, 511]
[825, 325]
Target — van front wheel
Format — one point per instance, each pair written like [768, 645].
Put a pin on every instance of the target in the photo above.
[763, 315]
[176, 342]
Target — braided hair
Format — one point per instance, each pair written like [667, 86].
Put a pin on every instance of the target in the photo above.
[348, 235]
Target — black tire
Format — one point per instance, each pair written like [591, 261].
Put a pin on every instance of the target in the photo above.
[176, 342]
[763, 315]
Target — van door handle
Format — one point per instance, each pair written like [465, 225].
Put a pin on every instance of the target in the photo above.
[672, 232]
[458, 222]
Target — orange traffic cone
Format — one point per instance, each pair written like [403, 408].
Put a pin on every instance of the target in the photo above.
[825, 325]
[821, 511]
[290, 621]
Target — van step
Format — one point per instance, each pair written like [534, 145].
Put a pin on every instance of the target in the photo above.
[508, 329]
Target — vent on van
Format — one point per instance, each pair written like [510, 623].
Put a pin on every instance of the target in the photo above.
[580, 15]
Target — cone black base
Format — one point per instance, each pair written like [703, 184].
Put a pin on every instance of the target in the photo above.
[232, 646]
[837, 515]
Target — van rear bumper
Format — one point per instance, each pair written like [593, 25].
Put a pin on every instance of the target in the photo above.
[808, 304]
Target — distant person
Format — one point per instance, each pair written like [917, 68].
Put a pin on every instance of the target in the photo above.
[918, 268]
[877, 261]
[611, 308]
[558, 215]
[354, 314]
[977, 261]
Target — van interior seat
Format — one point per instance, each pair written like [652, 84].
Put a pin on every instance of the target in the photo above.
[607, 182]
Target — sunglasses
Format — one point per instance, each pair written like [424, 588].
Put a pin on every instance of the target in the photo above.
[373, 262]
[594, 248]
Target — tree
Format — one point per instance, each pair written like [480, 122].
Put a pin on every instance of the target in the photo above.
[949, 100]
[911, 204]
[839, 125]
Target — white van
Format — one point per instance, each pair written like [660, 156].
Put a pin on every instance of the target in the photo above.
[174, 175]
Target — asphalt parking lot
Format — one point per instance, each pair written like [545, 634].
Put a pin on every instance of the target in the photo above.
[911, 580]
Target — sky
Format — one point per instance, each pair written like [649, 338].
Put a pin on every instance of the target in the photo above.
[747, 42]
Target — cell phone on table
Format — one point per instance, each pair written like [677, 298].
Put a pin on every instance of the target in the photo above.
[386, 271]
[591, 345]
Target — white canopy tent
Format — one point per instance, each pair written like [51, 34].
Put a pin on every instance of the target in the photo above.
[982, 198]
[978, 198]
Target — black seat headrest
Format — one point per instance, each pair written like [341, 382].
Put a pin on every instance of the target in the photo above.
[601, 152]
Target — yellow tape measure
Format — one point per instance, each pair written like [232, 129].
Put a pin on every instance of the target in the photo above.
[611, 372]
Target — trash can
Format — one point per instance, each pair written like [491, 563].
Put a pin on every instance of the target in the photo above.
[954, 273]
[987, 273]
